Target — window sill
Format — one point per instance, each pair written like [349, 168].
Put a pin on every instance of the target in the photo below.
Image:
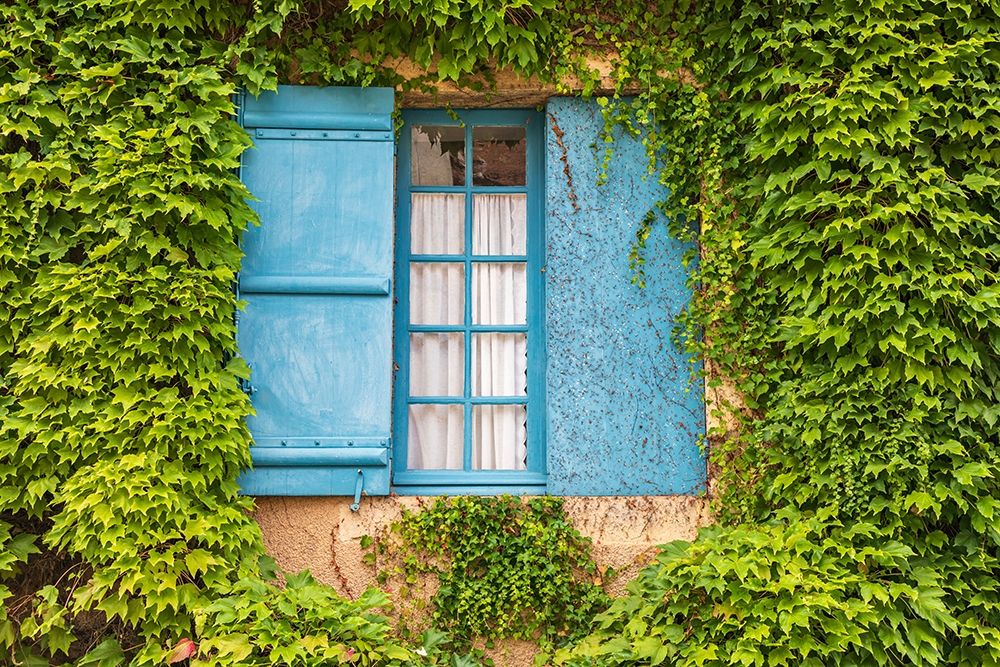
[469, 490]
[470, 478]
[478, 482]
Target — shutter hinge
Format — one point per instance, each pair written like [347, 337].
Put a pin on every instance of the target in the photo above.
[245, 385]
[359, 485]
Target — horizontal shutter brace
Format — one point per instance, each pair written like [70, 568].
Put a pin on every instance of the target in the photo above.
[320, 456]
[374, 441]
[321, 108]
[323, 135]
[288, 284]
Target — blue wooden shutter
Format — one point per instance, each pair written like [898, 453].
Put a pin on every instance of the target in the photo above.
[317, 328]
[625, 408]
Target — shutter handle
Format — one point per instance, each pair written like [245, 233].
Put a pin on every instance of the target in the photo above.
[358, 486]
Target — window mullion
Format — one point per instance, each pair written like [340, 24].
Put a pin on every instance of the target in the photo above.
[467, 453]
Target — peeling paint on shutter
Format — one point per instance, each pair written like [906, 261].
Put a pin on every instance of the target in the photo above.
[625, 412]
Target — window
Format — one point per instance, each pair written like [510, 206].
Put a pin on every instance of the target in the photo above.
[448, 308]
[469, 337]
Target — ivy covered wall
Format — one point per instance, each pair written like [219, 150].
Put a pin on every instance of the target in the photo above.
[840, 160]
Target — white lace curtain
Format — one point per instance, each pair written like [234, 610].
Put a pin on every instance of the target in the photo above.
[437, 360]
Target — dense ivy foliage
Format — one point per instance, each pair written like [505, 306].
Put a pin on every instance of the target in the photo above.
[119, 421]
[491, 568]
[838, 162]
[850, 256]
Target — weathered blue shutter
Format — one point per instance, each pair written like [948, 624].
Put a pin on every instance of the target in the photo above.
[317, 328]
[625, 409]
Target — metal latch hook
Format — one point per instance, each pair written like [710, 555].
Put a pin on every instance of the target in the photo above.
[358, 487]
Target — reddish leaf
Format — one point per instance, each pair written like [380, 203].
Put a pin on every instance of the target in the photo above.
[185, 649]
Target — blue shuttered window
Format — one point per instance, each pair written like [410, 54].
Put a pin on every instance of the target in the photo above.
[317, 328]
[486, 267]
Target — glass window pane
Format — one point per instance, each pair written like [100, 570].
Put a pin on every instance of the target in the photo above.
[437, 155]
[498, 155]
[499, 364]
[499, 293]
[499, 224]
[437, 224]
[437, 293]
[499, 437]
[437, 364]
[436, 437]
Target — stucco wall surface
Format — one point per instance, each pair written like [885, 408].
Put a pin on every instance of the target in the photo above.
[323, 536]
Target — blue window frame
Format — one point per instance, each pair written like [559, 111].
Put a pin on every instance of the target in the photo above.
[485, 153]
